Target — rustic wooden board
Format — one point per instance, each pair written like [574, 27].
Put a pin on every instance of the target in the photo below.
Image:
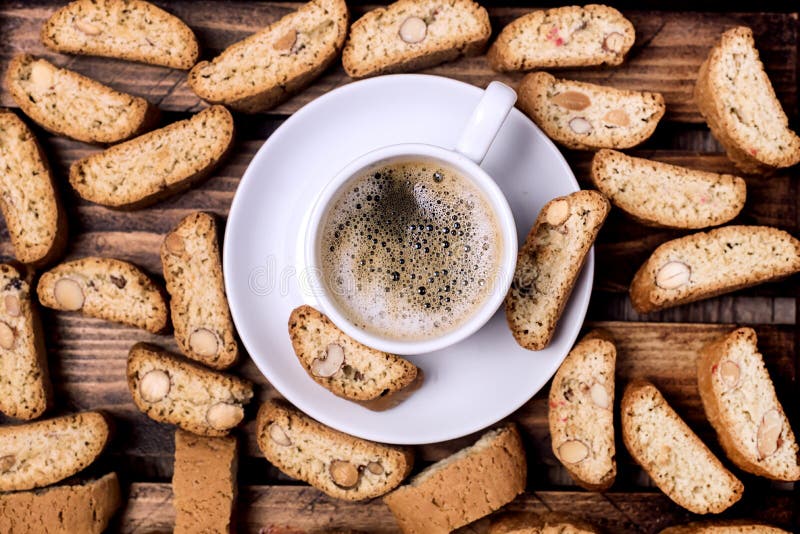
[668, 52]
[303, 510]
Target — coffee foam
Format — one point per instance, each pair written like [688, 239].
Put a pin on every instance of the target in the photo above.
[410, 250]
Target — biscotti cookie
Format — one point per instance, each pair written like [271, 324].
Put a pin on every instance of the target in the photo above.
[85, 508]
[105, 288]
[741, 404]
[674, 457]
[739, 104]
[581, 413]
[346, 367]
[707, 264]
[463, 487]
[150, 167]
[44, 452]
[414, 34]
[261, 71]
[549, 263]
[34, 217]
[343, 466]
[69, 104]
[532, 523]
[25, 390]
[198, 306]
[588, 116]
[125, 29]
[571, 36]
[669, 196]
[204, 483]
[724, 527]
[169, 389]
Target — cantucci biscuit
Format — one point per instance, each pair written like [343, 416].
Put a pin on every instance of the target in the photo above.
[741, 404]
[127, 29]
[463, 487]
[198, 305]
[739, 104]
[741, 526]
[549, 263]
[105, 288]
[669, 196]
[34, 217]
[707, 264]
[70, 104]
[587, 116]
[25, 390]
[261, 71]
[150, 167]
[45, 452]
[571, 36]
[415, 34]
[532, 523]
[581, 412]
[342, 466]
[346, 367]
[170, 389]
[674, 457]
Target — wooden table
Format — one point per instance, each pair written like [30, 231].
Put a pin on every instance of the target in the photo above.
[87, 357]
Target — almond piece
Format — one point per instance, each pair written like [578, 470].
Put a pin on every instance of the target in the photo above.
[278, 435]
[769, 433]
[285, 43]
[41, 75]
[413, 30]
[729, 374]
[174, 244]
[618, 117]
[614, 42]
[557, 212]
[375, 468]
[87, 27]
[203, 342]
[223, 415]
[673, 275]
[573, 451]
[330, 364]
[600, 396]
[68, 294]
[7, 462]
[343, 473]
[573, 100]
[6, 336]
[12, 305]
[154, 385]
[579, 125]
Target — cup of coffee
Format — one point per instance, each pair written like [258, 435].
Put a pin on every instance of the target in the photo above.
[412, 247]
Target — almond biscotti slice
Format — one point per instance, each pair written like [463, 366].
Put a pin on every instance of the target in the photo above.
[34, 217]
[85, 508]
[707, 264]
[571, 36]
[127, 29]
[724, 527]
[669, 196]
[741, 404]
[25, 389]
[170, 389]
[533, 523]
[342, 466]
[674, 457]
[587, 116]
[463, 487]
[198, 305]
[38, 454]
[105, 288]
[549, 263]
[70, 104]
[411, 35]
[581, 412]
[346, 367]
[204, 483]
[150, 167]
[739, 104]
[265, 69]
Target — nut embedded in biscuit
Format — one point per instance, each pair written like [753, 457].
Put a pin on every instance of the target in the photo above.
[41, 75]
[769, 433]
[12, 305]
[7, 462]
[557, 212]
[223, 415]
[204, 342]
[68, 294]
[413, 30]
[278, 435]
[87, 27]
[673, 275]
[6, 336]
[343, 473]
[579, 125]
[618, 117]
[375, 468]
[154, 385]
[330, 364]
[614, 42]
[175, 244]
[599, 395]
[286, 42]
[729, 374]
[573, 100]
[573, 451]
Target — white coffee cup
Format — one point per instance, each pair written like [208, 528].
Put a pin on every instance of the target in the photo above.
[481, 129]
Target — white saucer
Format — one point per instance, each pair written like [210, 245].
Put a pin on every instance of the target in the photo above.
[468, 386]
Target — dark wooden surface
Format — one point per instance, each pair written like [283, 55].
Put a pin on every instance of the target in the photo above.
[87, 357]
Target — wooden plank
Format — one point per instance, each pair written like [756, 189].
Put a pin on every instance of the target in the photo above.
[669, 49]
[304, 510]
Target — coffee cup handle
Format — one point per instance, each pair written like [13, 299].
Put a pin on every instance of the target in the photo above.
[486, 120]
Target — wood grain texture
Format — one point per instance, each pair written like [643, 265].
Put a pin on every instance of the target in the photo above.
[666, 57]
